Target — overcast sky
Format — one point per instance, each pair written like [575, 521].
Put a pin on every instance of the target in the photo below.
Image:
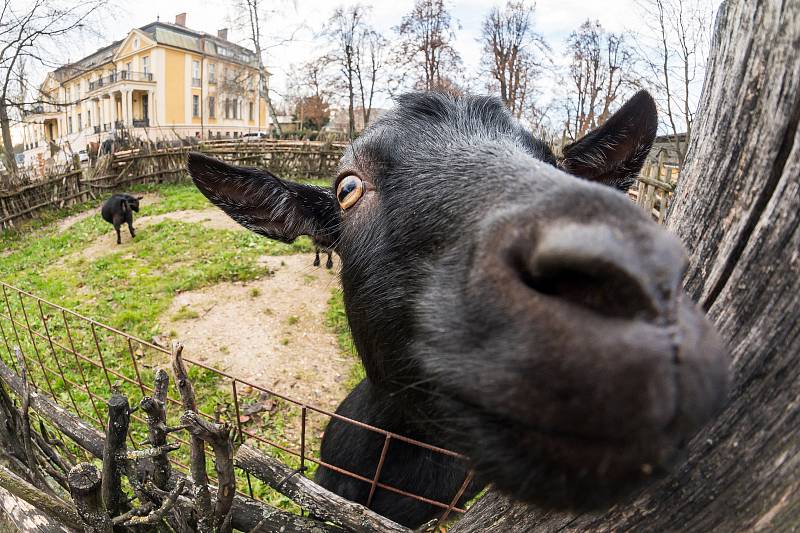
[554, 19]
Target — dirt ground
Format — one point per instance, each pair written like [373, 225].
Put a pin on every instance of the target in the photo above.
[66, 223]
[212, 218]
[269, 332]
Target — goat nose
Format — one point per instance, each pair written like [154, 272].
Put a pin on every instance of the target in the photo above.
[596, 267]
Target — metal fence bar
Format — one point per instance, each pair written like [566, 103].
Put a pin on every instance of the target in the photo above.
[378, 470]
[16, 334]
[35, 347]
[239, 428]
[102, 359]
[80, 368]
[302, 453]
[55, 356]
[136, 367]
[467, 481]
[8, 348]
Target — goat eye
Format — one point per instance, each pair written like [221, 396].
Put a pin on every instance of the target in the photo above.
[349, 190]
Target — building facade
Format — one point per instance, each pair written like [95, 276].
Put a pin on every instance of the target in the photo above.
[162, 81]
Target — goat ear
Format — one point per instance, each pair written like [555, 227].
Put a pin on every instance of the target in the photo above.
[614, 153]
[264, 203]
[139, 197]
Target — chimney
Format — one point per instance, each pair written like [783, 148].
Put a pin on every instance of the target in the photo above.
[180, 19]
[223, 34]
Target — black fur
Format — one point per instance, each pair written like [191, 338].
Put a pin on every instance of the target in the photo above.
[118, 210]
[502, 308]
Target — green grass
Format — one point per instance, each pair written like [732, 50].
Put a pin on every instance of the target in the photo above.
[185, 313]
[336, 319]
[129, 287]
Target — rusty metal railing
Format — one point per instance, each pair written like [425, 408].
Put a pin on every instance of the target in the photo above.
[94, 358]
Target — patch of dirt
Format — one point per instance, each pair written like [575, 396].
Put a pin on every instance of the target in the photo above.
[269, 332]
[212, 218]
[65, 223]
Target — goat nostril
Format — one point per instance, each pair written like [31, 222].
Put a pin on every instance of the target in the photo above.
[592, 283]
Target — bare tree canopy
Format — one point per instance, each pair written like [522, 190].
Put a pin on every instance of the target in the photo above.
[674, 50]
[252, 24]
[426, 48]
[356, 51]
[512, 53]
[600, 71]
[28, 32]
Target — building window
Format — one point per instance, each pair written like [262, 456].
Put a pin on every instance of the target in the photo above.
[89, 117]
[195, 105]
[69, 124]
[80, 123]
[195, 74]
[135, 43]
[146, 64]
[252, 108]
[212, 73]
[211, 109]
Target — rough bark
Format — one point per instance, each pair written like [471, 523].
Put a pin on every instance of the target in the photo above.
[318, 501]
[218, 436]
[85, 487]
[54, 508]
[737, 208]
[197, 452]
[115, 453]
[246, 513]
[155, 409]
[18, 515]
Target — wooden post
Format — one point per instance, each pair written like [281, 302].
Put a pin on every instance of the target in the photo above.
[197, 453]
[85, 488]
[155, 409]
[115, 453]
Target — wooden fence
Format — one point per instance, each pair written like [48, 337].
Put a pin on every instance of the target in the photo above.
[655, 186]
[293, 159]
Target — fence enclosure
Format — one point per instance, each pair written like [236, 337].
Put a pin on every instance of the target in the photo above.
[79, 362]
[292, 159]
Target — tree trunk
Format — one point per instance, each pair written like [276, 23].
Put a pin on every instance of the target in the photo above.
[737, 209]
[8, 145]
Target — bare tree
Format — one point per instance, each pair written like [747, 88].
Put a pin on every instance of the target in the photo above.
[601, 67]
[511, 53]
[26, 30]
[356, 51]
[674, 50]
[426, 47]
[253, 25]
[369, 65]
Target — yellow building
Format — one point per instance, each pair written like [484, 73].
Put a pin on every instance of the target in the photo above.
[162, 81]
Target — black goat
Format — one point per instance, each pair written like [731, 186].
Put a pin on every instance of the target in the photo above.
[506, 304]
[118, 210]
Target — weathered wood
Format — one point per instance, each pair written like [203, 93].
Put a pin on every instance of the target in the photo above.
[319, 501]
[197, 453]
[68, 424]
[55, 508]
[737, 209]
[156, 416]
[115, 452]
[24, 426]
[218, 436]
[18, 515]
[85, 488]
[246, 513]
